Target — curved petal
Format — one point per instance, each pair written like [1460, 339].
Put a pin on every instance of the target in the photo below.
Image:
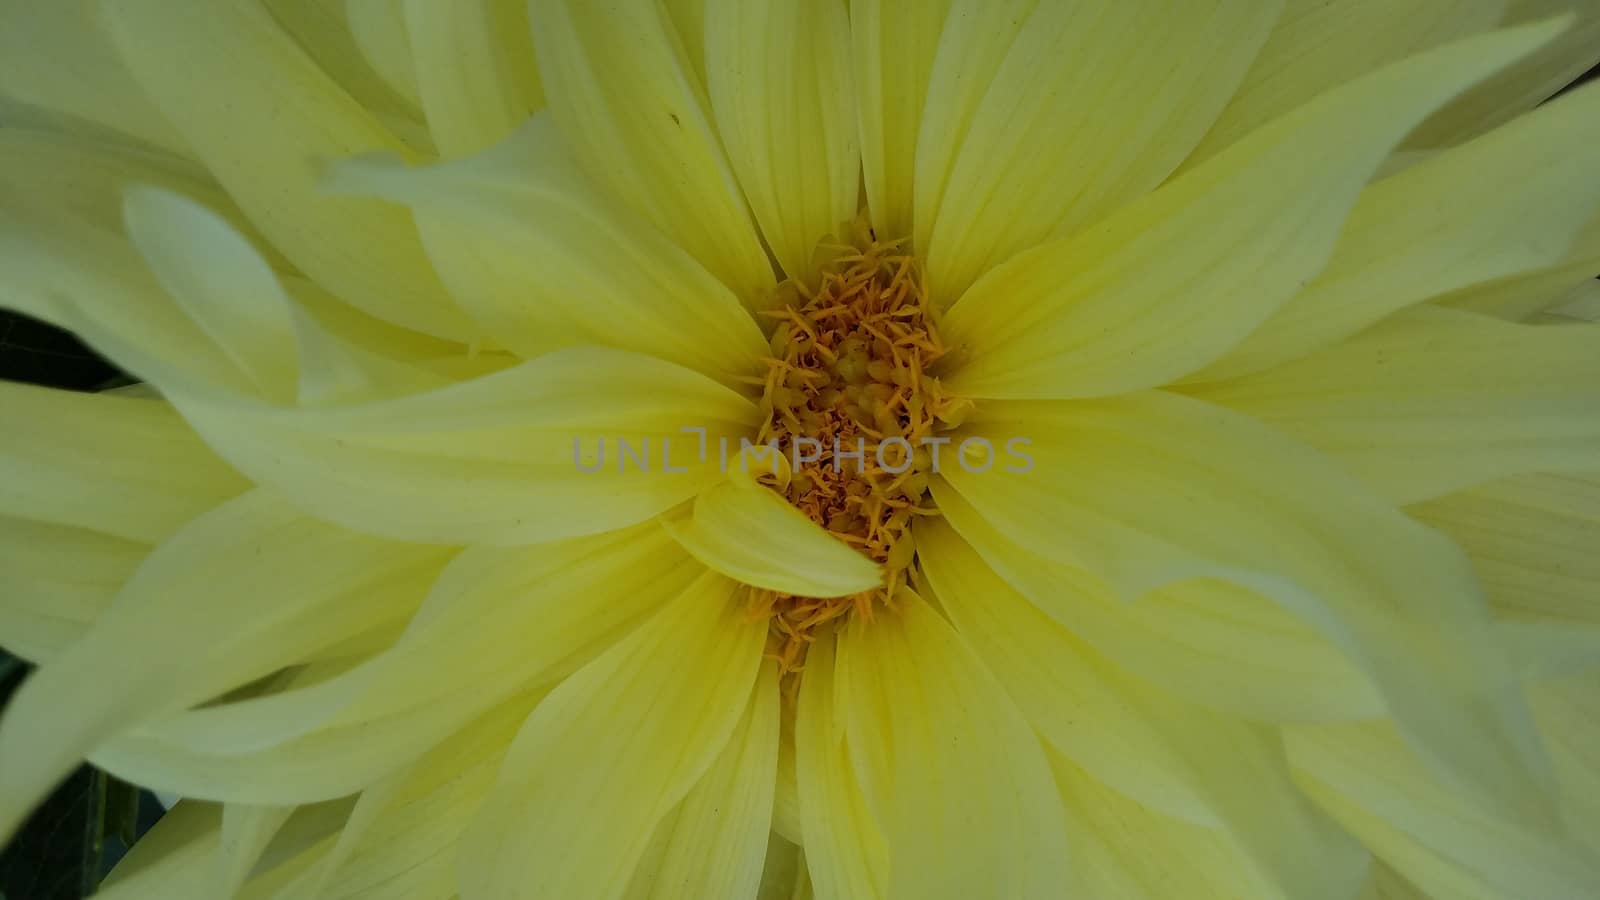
[1123, 136]
[1433, 400]
[713, 846]
[245, 833]
[951, 768]
[1318, 45]
[844, 848]
[613, 750]
[1514, 201]
[1183, 490]
[56, 582]
[625, 97]
[1149, 745]
[1524, 85]
[1168, 284]
[781, 91]
[1367, 779]
[1532, 541]
[600, 277]
[122, 466]
[380, 31]
[747, 532]
[895, 42]
[475, 70]
[576, 442]
[212, 70]
[55, 56]
[553, 607]
[1209, 641]
[254, 584]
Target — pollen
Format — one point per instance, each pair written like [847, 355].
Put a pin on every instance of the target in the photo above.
[848, 384]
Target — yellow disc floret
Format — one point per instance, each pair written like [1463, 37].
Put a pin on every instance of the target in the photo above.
[847, 387]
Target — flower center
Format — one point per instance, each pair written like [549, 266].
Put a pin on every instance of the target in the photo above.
[847, 395]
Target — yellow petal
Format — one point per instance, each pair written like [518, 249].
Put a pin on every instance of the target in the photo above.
[497, 625]
[956, 777]
[171, 859]
[494, 458]
[627, 101]
[212, 72]
[56, 582]
[845, 852]
[222, 284]
[1367, 779]
[747, 532]
[1548, 290]
[1168, 754]
[122, 466]
[475, 70]
[1167, 284]
[1532, 541]
[894, 45]
[1115, 842]
[714, 845]
[1512, 202]
[689, 20]
[246, 831]
[800, 168]
[1220, 645]
[1318, 45]
[236, 595]
[1569, 720]
[1183, 490]
[326, 33]
[1433, 400]
[602, 277]
[1524, 85]
[1122, 135]
[380, 31]
[613, 750]
[403, 835]
[54, 55]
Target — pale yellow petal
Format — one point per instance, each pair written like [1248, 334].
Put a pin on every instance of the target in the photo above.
[1367, 779]
[956, 777]
[1513, 202]
[845, 851]
[237, 594]
[627, 100]
[714, 845]
[1122, 850]
[55, 55]
[1318, 45]
[783, 98]
[1167, 285]
[475, 70]
[221, 283]
[324, 30]
[55, 582]
[1149, 745]
[1568, 709]
[212, 70]
[1184, 490]
[895, 42]
[748, 532]
[576, 442]
[689, 19]
[122, 466]
[1524, 85]
[171, 860]
[1522, 296]
[1534, 542]
[602, 277]
[1433, 400]
[1110, 139]
[498, 624]
[613, 750]
[380, 31]
[246, 831]
[784, 872]
[1206, 640]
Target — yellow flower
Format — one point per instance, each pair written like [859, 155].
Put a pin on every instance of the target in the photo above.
[1188, 484]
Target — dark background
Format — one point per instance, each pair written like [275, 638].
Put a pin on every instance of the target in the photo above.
[88, 823]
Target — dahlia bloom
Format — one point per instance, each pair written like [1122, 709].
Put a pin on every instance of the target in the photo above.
[1187, 417]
